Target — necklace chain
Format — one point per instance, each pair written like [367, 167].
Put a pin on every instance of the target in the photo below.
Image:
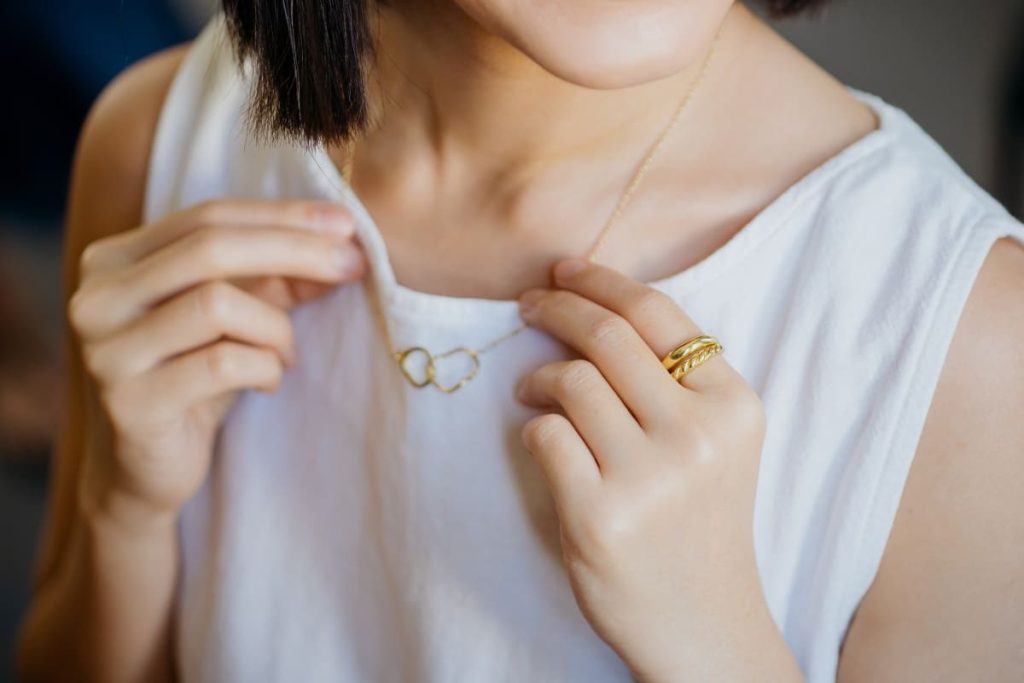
[429, 373]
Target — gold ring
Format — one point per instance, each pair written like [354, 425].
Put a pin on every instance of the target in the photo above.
[690, 354]
[673, 357]
[694, 360]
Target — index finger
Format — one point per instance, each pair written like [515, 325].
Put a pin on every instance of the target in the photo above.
[659, 320]
[224, 252]
[123, 248]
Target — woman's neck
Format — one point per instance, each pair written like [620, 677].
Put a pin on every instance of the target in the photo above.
[452, 101]
[494, 167]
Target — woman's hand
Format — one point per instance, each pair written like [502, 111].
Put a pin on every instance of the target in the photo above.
[175, 317]
[653, 482]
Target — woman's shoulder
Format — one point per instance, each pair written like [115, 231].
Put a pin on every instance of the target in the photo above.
[203, 144]
[895, 202]
[941, 260]
[899, 180]
[961, 502]
[105, 198]
[114, 147]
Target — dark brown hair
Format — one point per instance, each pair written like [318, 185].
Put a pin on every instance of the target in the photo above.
[309, 59]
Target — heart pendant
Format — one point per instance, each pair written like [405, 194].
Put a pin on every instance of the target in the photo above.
[426, 373]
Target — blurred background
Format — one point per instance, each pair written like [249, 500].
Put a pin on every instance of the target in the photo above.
[957, 66]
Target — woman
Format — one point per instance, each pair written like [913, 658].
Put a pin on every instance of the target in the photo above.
[421, 490]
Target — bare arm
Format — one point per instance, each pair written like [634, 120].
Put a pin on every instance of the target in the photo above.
[100, 593]
[167, 322]
[947, 603]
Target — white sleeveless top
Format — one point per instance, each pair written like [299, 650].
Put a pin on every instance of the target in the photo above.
[354, 528]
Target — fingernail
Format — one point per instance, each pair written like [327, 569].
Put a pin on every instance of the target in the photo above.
[529, 299]
[334, 217]
[566, 268]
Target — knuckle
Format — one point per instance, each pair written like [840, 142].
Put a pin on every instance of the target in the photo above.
[608, 329]
[118, 405]
[747, 410]
[95, 361]
[276, 374]
[279, 326]
[209, 212]
[541, 431]
[267, 373]
[83, 311]
[91, 256]
[77, 309]
[695, 442]
[602, 527]
[573, 375]
[213, 301]
[701, 446]
[208, 247]
[651, 303]
[287, 330]
[222, 362]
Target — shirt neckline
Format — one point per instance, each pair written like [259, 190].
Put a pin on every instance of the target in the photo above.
[398, 298]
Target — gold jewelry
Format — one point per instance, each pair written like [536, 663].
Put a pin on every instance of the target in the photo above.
[428, 373]
[673, 357]
[430, 369]
[690, 354]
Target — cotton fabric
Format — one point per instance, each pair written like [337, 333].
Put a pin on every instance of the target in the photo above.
[354, 528]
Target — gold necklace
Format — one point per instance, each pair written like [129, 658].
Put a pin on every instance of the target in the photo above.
[427, 374]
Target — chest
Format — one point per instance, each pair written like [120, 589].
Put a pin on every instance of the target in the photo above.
[468, 248]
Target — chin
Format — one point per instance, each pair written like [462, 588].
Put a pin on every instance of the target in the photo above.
[605, 44]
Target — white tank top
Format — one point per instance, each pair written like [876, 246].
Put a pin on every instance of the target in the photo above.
[354, 528]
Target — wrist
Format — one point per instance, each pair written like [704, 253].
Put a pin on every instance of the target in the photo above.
[106, 505]
[110, 511]
[738, 642]
[122, 544]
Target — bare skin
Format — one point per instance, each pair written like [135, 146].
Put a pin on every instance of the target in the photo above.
[497, 220]
[108, 562]
[169, 320]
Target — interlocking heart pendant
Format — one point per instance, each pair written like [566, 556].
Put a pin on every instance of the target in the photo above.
[427, 373]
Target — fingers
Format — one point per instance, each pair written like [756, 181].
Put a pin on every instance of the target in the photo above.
[197, 317]
[283, 292]
[609, 342]
[598, 414]
[120, 249]
[108, 301]
[569, 468]
[198, 376]
[658, 319]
